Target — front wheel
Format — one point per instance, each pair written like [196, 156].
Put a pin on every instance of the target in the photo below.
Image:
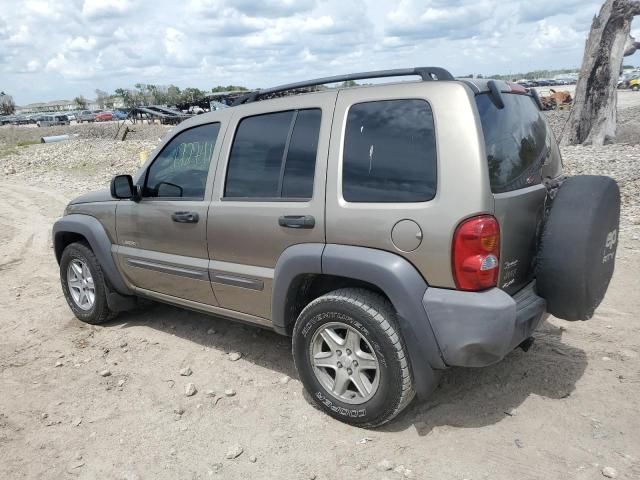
[351, 358]
[83, 284]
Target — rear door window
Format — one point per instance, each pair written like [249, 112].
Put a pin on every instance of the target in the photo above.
[274, 156]
[519, 144]
[389, 152]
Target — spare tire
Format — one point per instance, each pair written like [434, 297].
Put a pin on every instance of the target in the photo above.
[578, 246]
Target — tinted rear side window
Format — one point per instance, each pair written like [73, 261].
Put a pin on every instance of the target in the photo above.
[301, 158]
[389, 152]
[274, 155]
[518, 142]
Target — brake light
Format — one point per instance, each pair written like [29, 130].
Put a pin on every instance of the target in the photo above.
[476, 253]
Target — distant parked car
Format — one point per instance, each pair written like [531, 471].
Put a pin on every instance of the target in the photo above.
[85, 116]
[118, 115]
[53, 121]
[19, 120]
[104, 117]
[71, 116]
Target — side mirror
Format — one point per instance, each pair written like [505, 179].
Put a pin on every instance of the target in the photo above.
[122, 187]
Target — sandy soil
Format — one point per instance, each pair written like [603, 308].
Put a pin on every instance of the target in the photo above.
[566, 409]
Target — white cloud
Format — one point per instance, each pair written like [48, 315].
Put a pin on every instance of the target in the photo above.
[76, 46]
[95, 9]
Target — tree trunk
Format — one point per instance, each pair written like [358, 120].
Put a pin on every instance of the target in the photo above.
[593, 116]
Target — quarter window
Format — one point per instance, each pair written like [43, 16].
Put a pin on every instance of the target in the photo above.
[389, 152]
[182, 168]
[274, 155]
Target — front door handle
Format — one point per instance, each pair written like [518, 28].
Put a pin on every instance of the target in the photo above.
[297, 221]
[185, 217]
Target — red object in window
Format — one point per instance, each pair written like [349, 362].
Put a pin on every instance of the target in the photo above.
[516, 88]
[476, 253]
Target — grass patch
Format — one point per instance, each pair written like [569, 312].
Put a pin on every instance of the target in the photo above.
[6, 150]
[24, 143]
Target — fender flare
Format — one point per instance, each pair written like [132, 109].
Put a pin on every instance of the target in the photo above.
[95, 234]
[393, 274]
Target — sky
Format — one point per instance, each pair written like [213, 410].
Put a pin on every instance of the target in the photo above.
[52, 50]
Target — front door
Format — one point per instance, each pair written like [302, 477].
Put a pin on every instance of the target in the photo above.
[269, 194]
[162, 239]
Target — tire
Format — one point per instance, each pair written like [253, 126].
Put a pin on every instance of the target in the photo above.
[635, 88]
[98, 312]
[578, 246]
[372, 319]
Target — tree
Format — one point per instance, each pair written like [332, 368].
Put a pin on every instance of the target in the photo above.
[593, 115]
[173, 95]
[228, 88]
[192, 95]
[81, 102]
[7, 105]
[101, 97]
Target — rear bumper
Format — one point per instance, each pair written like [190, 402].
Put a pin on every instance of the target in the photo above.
[475, 329]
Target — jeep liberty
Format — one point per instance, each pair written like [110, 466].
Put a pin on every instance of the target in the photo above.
[392, 230]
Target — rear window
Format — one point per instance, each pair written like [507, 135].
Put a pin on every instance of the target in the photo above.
[518, 142]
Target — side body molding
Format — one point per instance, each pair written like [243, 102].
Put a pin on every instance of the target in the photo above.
[91, 229]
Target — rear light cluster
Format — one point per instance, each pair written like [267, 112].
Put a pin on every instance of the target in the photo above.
[476, 253]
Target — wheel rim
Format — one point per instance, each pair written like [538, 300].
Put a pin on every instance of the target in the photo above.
[344, 363]
[81, 286]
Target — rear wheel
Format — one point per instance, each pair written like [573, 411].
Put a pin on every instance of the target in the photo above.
[351, 357]
[83, 284]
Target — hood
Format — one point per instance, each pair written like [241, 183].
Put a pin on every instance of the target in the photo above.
[92, 197]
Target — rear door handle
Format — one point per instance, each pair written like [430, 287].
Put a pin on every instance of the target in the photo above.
[185, 217]
[297, 221]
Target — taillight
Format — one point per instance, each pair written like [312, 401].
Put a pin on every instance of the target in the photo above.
[476, 253]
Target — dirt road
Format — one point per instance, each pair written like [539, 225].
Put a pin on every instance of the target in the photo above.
[565, 409]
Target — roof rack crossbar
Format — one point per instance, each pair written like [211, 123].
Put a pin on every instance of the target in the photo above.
[426, 73]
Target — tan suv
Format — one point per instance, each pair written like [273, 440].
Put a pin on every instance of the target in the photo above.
[393, 230]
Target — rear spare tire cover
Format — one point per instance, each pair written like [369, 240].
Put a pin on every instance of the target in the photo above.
[578, 246]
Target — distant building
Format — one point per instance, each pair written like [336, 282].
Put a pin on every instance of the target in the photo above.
[68, 106]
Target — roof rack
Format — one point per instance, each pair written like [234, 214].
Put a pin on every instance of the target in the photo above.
[426, 73]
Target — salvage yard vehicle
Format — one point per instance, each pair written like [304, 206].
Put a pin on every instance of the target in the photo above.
[86, 116]
[104, 117]
[53, 121]
[393, 230]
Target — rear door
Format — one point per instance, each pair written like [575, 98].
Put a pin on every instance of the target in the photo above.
[269, 195]
[163, 237]
[521, 152]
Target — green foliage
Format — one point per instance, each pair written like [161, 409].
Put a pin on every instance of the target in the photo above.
[81, 102]
[24, 143]
[228, 88]
[192, 95]
[7, 105]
